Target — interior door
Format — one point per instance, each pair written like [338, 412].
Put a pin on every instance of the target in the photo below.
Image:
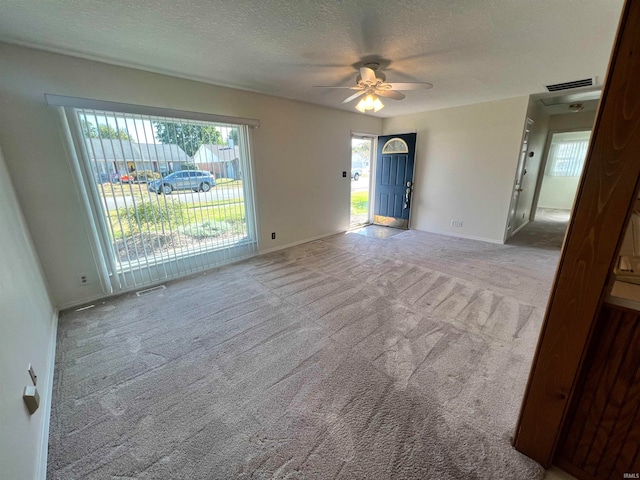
[394, 180]
[516, 221]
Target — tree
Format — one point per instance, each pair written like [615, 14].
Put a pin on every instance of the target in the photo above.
[89, 130]
[188, 137]
[360, 150]
[107, 131]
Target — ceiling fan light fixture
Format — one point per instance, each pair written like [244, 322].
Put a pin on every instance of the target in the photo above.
[369, 102]
[370, 82]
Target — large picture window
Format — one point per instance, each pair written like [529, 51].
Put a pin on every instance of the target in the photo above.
[169, 196]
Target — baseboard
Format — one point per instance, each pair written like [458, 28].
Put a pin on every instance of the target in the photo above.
[462, 235]
[47, 395]
[300, 242]
[85, 301]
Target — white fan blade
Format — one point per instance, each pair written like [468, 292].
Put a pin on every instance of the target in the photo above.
[368, 75]
[410, 86]
[355, 87]
[353, 97]
[390, 94]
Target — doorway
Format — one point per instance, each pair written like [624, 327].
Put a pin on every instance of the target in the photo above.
[562, 171]
[361, 159]
[394, 180]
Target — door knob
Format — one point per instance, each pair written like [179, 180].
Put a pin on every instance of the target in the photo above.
[407, 197]
[518, 189]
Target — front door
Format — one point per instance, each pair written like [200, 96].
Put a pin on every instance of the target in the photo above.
[394, 180]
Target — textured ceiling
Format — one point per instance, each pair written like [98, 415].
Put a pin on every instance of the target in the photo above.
[471, 51]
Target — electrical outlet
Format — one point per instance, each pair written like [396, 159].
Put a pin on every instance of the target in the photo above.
[456, 223]
[83, 279]
[273, 235]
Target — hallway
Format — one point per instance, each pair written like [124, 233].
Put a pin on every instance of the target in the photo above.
[546, 232]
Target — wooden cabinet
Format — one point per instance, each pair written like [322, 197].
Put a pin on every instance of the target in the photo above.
[602, 434]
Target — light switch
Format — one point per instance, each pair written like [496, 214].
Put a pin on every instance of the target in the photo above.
[31, 398]
[32, 374]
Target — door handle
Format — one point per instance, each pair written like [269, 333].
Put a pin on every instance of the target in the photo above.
[407, 196]
[519, 189]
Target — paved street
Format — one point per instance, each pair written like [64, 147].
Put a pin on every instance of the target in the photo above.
[361, 184]
[213, 195]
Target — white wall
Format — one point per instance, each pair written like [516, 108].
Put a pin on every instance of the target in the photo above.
[300, 152]
[466, 159]
[27, 332]
[560, 192]
[572, 121]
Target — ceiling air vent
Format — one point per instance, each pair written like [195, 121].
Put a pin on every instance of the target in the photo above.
[587, 82]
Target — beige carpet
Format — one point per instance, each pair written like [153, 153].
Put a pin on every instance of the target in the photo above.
[350, 357]
[547, 231]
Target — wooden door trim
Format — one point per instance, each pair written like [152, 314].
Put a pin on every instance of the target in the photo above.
[606, 195]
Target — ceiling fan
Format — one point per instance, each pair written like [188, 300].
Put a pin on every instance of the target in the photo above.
[372, 83]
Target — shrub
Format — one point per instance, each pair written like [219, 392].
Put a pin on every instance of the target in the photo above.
[206, 229]
[153, 212]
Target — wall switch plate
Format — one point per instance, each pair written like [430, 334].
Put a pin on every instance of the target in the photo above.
[273, 235]
[344, 174]
[32, 374]
[31, 398]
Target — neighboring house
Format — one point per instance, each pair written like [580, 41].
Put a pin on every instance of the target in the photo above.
[112, 156]
[222, 160]
[121, 156]
[163, 157]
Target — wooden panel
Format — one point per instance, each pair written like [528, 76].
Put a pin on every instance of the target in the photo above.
[604, 200]
[582, 410]
[606, 404]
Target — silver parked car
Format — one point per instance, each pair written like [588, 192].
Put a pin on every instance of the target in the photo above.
[196, 180]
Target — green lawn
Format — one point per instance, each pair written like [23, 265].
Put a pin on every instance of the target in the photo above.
[174, 215]
[359, 203]
[230, 182]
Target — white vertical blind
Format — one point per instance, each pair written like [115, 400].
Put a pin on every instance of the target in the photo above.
[166, 196]
[567, 153]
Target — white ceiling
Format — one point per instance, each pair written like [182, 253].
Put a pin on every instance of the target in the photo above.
[470, 50]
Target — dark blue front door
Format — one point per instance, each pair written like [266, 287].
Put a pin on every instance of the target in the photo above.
[394, 180]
